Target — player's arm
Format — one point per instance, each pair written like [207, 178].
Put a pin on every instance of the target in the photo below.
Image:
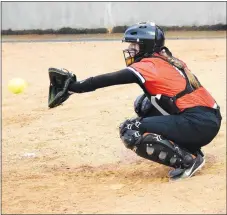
[64, 83]
[124, 76]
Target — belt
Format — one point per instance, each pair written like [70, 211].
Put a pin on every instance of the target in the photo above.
[216, 110]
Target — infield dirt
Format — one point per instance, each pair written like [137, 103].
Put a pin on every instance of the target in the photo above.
[70, 159]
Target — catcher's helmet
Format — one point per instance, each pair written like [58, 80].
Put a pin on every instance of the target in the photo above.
[147, 35]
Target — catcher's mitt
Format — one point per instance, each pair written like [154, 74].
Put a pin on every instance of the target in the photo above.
[59, 84]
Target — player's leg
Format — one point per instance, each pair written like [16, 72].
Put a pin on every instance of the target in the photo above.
[155, 147]
[167, 134]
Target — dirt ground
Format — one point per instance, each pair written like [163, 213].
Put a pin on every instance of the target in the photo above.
[70, 159]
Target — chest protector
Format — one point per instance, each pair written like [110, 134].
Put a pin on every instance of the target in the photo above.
[166, 104]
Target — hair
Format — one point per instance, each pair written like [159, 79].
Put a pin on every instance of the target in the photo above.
[182, 66]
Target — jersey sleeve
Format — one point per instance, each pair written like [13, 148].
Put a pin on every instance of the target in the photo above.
[124, 76]
[137, 74]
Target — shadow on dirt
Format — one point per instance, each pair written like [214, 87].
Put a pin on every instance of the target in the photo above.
[141, 171]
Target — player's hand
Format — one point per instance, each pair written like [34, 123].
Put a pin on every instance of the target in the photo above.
[59, 84]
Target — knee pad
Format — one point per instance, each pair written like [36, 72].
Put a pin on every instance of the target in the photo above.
[142, 105]
[155, 148]
[131, 138]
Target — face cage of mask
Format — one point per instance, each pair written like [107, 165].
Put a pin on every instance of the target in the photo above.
[129, 58]
[132, 55]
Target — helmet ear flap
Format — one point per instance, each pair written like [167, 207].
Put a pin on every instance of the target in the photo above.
[159, 37]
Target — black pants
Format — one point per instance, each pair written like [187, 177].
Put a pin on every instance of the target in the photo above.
[192, 129]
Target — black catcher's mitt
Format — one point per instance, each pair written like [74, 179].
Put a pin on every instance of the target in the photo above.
[59, 84]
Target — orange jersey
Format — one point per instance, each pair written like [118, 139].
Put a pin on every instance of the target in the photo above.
[160, 77]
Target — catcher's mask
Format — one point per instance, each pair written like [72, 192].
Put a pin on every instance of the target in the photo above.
[146, 37]
[130, 53]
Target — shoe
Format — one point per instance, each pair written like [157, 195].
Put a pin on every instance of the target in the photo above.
[201, 153]
[178, 173]
[175, 173]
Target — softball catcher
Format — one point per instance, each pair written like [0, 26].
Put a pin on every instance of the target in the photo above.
[176, 115]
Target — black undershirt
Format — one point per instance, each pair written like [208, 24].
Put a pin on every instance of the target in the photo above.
[124, 76]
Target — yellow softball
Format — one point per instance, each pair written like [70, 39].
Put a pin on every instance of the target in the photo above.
[17, 85]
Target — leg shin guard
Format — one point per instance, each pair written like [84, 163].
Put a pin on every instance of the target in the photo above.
[154, 147]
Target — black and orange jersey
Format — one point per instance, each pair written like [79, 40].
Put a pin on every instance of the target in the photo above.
[157, 78]
[161, 78]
